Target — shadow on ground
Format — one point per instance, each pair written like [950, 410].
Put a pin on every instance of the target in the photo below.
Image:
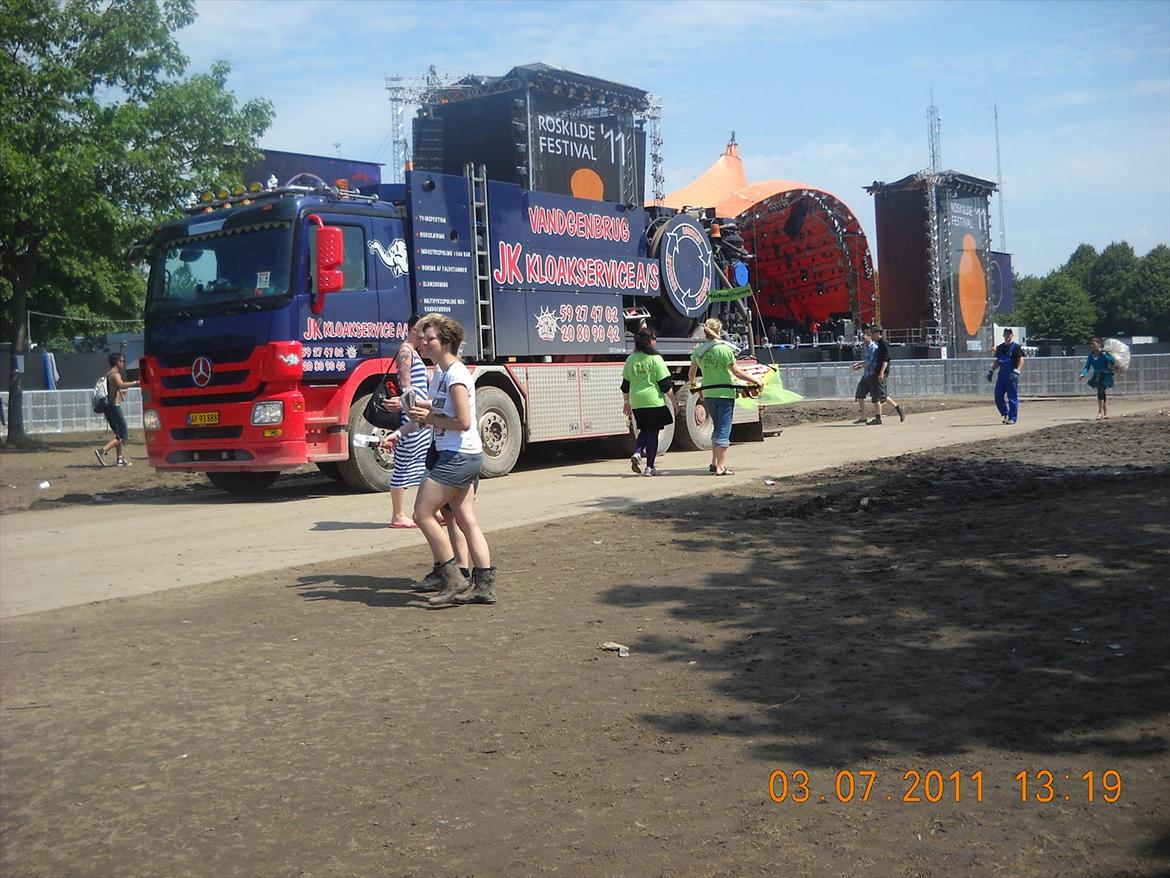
[1000, 603]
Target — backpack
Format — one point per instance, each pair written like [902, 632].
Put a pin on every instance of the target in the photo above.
[100, 395]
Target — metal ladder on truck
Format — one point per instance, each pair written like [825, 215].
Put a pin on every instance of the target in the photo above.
[477, 191]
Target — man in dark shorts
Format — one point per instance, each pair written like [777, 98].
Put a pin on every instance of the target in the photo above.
[865, 366]
[881, 372]
[112, 409]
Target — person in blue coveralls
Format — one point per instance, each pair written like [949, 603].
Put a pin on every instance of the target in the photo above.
[1009, 359]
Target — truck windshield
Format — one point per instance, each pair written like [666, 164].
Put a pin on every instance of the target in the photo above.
[205, 272]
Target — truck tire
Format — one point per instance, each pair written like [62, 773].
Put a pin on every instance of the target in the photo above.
[242, 483]
[688, 436]
[666, 434]
[500, 431]
[367, 469]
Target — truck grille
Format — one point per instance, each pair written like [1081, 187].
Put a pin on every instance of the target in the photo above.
[218, 379]
[184, 361]
[191, 433]
[211, 398]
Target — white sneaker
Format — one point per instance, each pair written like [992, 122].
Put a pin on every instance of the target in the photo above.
[636, 463]
[652, 471]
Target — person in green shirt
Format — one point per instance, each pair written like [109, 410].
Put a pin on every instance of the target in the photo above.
[715, 358]
[649, 398]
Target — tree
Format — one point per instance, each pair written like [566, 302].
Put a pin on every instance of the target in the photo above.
[1145, 304]
[1109, 280]
[1058, 308]
[100, 136]
[1023, 285]
[1080, 265]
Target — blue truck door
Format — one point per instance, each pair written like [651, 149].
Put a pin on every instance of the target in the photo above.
[391, 261]
[350, 327]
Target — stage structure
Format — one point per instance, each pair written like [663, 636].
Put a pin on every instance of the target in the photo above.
[941, 284]
[811, 262]
[542, 128]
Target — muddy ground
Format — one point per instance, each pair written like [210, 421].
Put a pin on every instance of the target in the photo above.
[986, 609]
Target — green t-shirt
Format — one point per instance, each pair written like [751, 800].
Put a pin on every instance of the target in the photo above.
[644, 371]
[715, 364]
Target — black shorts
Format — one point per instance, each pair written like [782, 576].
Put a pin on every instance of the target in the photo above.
[863, 387]
[116, 420]
[652, 419]
[877, 389]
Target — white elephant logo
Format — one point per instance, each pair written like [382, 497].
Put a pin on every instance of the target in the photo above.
[394, 257]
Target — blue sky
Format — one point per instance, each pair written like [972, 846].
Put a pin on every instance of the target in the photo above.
[831, 94]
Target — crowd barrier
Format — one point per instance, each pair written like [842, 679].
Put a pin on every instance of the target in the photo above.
[71, 411]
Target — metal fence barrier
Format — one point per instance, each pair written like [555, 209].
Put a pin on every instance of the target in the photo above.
[1148, 374]
[71, 411]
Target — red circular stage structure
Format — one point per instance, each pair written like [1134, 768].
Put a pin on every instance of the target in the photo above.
[812, 262]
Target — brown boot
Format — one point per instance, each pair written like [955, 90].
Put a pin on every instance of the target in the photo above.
[453, 584]
[483, 587]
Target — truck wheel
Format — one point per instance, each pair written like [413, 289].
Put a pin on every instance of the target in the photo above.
[500, 431]
[666, 434]
[242, 483]
[688, 436]
[367, 469]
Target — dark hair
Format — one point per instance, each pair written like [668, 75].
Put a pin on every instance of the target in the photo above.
[643, 340]
[115, 357]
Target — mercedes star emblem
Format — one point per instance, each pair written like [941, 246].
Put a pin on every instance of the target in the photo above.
[201, 371]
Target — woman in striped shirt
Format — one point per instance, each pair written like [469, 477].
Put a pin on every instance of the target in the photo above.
[409, 454]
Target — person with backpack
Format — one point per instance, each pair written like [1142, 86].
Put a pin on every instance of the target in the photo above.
[111, 406]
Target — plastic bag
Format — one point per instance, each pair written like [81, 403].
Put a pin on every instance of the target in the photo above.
[1119, 350]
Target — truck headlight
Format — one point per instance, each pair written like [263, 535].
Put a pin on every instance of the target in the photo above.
[267, 413]
[150, 420]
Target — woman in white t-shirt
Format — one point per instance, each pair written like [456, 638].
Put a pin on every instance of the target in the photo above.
[454, 476]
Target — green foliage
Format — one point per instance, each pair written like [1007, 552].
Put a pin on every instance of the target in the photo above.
[1145, 304]
[1057, 308]
[100, 137]
[1109, 282]
[1080, 265]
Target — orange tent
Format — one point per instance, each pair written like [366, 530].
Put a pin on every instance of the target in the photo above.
[812, 262]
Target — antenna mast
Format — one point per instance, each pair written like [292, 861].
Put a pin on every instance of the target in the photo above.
[934, 135]
[999, 182]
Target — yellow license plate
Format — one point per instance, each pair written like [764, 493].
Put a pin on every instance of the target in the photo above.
[202, 419]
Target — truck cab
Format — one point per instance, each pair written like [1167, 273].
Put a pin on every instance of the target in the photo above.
[240, 377]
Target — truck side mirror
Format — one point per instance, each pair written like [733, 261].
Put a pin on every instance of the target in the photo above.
[330, 255]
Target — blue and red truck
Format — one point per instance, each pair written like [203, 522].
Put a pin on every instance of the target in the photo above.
[272, 313]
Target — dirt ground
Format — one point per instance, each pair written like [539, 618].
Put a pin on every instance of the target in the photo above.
[986, 609]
